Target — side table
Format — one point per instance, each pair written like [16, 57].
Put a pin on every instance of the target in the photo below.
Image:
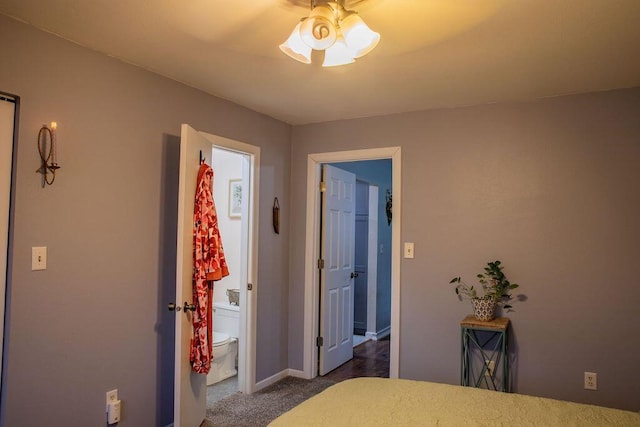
[485, 359]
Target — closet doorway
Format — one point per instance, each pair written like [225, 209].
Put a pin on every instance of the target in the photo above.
[8, 113]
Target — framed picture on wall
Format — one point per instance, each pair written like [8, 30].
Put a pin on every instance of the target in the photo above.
[235, 198]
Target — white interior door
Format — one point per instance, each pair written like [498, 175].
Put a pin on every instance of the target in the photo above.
[336, 281]
[190, 396]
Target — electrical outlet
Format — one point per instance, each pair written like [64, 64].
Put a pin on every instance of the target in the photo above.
[112, 396]
[491, 366]
[590, 381]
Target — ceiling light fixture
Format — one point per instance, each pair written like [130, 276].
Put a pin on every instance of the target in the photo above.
[340, 33]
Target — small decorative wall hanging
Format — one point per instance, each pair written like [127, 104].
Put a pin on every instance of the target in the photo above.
[276, 216]
[48, 153]
[388, 207]
[235, 198]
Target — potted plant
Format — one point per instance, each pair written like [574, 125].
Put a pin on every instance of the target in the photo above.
[495, 291]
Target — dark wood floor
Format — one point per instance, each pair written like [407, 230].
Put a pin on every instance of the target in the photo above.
[370, 359]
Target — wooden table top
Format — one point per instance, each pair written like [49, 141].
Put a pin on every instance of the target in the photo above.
[499, 323]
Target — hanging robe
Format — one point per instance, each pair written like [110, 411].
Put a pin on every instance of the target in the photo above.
[209, 264]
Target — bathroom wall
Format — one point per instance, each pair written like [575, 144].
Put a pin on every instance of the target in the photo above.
[97, 318]
[227, 165]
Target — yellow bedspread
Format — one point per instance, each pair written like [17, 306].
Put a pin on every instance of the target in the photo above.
[386, 402]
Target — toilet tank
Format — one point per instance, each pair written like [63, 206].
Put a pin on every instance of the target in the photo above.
[226, 318]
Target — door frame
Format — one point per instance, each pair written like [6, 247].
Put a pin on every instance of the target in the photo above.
[248, 299]
[7, 244]
[372, 262]
[312, 252]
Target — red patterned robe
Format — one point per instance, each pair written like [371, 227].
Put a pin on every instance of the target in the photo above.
[209, 264]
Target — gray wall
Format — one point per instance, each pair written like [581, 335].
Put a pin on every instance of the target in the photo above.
[549, 187]
[96, 319]
[378, 172]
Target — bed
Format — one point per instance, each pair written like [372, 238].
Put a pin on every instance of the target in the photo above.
[383, 401]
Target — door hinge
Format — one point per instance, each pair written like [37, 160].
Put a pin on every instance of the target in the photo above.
[249, 286]
[321, 263]
[319, 341]
[323, 186]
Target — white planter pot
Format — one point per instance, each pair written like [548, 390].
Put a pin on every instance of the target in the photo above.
[484, 309]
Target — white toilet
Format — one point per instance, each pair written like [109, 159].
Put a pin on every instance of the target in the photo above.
[226, 329]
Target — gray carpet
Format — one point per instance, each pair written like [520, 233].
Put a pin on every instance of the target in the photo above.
[262, 407]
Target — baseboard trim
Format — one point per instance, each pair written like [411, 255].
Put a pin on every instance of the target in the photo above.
[298, 374]
[280, 375]
[272, 379]
[379, 335]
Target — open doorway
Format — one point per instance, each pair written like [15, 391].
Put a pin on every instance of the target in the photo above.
[190, 388]
[224, 377]
[372, 293]
[313, 235]
[371, 282]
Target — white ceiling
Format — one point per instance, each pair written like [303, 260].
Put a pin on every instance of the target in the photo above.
[432, 54]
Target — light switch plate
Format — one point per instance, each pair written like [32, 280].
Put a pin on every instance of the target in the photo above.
[39, 258]
[408, 249]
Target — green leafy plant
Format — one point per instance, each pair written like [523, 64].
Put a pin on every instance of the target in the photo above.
[493, 283]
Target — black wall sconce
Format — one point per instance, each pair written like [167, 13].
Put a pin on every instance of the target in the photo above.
[276, 216]
[389, 207]
[47, 148]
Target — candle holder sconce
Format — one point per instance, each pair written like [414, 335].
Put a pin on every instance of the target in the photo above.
[276, 216]
[47, 148]
[389, 207]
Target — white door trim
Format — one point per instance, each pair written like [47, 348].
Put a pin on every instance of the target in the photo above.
[372, 260]
[311, 292]
[248, 299]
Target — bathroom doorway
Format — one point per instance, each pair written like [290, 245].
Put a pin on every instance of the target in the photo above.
[229, 168]
[190, 397]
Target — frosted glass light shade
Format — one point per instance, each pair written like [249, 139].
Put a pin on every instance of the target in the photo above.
[319, 30]
[358, 36]
[295, 48]
[338, 54]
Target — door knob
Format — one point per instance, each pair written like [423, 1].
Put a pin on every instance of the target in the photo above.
[187, 307]
[354, 275]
